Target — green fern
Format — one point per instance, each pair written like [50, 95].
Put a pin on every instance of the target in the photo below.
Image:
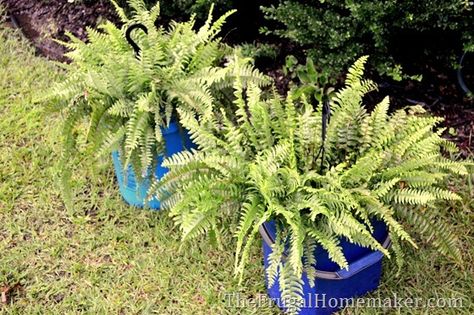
[128, 99]
[377, 166]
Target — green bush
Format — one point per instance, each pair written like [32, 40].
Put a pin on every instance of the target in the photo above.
[337, 32]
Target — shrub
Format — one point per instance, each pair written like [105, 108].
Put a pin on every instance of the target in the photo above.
[336, 32]
[268, 164]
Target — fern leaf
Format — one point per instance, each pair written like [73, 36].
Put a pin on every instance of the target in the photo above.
[440, 234]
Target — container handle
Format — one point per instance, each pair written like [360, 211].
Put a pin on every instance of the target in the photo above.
[341, 274]
[132, 43]
[460, 76]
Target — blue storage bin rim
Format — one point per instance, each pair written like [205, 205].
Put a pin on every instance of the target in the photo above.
[341, 274]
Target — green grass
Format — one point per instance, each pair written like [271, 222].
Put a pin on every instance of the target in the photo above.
[103, 257]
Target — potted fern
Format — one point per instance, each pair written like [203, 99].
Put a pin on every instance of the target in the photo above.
[328, 196]
[124, 86]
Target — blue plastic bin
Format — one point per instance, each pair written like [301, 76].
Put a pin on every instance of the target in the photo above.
[176, 140]
[333, 285]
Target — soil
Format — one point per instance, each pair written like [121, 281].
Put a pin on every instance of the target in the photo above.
[440, 93]
[44, 20]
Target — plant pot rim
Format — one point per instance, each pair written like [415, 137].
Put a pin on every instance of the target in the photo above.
[322, 274]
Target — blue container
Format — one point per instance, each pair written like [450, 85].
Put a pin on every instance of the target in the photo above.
[135, 194]
[333, 285]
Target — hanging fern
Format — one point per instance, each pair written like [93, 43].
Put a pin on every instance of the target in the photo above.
[377, 166]
[129, 99]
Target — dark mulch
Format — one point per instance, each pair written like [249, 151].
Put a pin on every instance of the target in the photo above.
[44, 20]
[439, 93]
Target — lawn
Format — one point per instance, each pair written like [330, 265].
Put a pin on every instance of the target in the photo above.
[103, 257]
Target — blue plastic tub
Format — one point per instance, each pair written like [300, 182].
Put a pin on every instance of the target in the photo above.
[333, 285]
[176, 140]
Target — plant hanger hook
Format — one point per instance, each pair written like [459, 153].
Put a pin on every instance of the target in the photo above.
[128, 32]
[325, 117]
[460, 75]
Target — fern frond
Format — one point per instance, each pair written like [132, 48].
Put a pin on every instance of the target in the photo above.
[120, 11]
[452, 166]
[291, 287]
[356, 71]
[112, 141]
[309, 260]
[331, 244]
[275, 260]
[384, 187]
[135, 130]
[412, 196]
[297, 237]
[434, 230]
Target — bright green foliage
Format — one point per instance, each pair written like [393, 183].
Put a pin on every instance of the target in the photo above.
[265, 166]
[115, 100]
[335, 32]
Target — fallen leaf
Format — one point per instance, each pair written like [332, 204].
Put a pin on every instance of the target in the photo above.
[4, 298]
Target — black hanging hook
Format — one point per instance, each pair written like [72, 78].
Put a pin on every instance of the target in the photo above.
[325, 117]
[128, 32]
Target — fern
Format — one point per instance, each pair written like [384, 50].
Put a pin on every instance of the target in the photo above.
[128, 99]
[377, 166]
